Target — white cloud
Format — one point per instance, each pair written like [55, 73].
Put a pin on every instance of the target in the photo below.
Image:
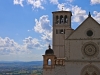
[54, 1]
[43, 26]
[97, 16]
[20, 2]
[78, 14]
[32, 43]
[10, 50]
[36, 3]
[47, 36]
[95, 1]
[9, 46]
[63, 6]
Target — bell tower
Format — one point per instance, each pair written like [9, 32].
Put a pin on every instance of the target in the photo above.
[49, 59]
[61, 30]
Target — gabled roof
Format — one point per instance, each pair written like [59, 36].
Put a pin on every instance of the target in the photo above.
[89, 16]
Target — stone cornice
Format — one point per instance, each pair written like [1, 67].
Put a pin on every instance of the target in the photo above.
[82, 61]
[84, 39]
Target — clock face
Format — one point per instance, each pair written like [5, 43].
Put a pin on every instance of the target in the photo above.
[90, 50]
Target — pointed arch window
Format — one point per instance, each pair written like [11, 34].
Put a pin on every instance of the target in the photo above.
[61, 19]
[65, 19]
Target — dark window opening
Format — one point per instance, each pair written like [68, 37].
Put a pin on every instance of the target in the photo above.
[89, 33]
[57, 20]
[57, 31]
[61, 19]
[65, 19]
[62, 31]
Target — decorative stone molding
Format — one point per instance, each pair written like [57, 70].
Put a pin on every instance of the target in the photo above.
[90, 49]
[90, 70]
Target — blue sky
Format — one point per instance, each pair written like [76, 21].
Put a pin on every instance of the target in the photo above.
[26, 25]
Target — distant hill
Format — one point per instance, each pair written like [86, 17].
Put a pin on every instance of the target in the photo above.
[21, 67]
[19, 63]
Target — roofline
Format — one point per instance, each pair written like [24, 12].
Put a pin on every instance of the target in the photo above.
[81, 24]
[62, 11]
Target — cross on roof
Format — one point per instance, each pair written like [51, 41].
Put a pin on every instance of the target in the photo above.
[62, 7]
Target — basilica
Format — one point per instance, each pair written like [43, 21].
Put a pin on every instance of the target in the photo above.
[74, 51]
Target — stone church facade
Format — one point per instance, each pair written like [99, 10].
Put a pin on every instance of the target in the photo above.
[75, 52]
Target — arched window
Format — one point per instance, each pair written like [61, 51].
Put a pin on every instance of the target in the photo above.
[57, 20]
[49, 61]
[65, 19]
[61, 19]
[90, 70]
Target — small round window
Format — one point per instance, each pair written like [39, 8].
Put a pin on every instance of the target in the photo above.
[89, 33]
